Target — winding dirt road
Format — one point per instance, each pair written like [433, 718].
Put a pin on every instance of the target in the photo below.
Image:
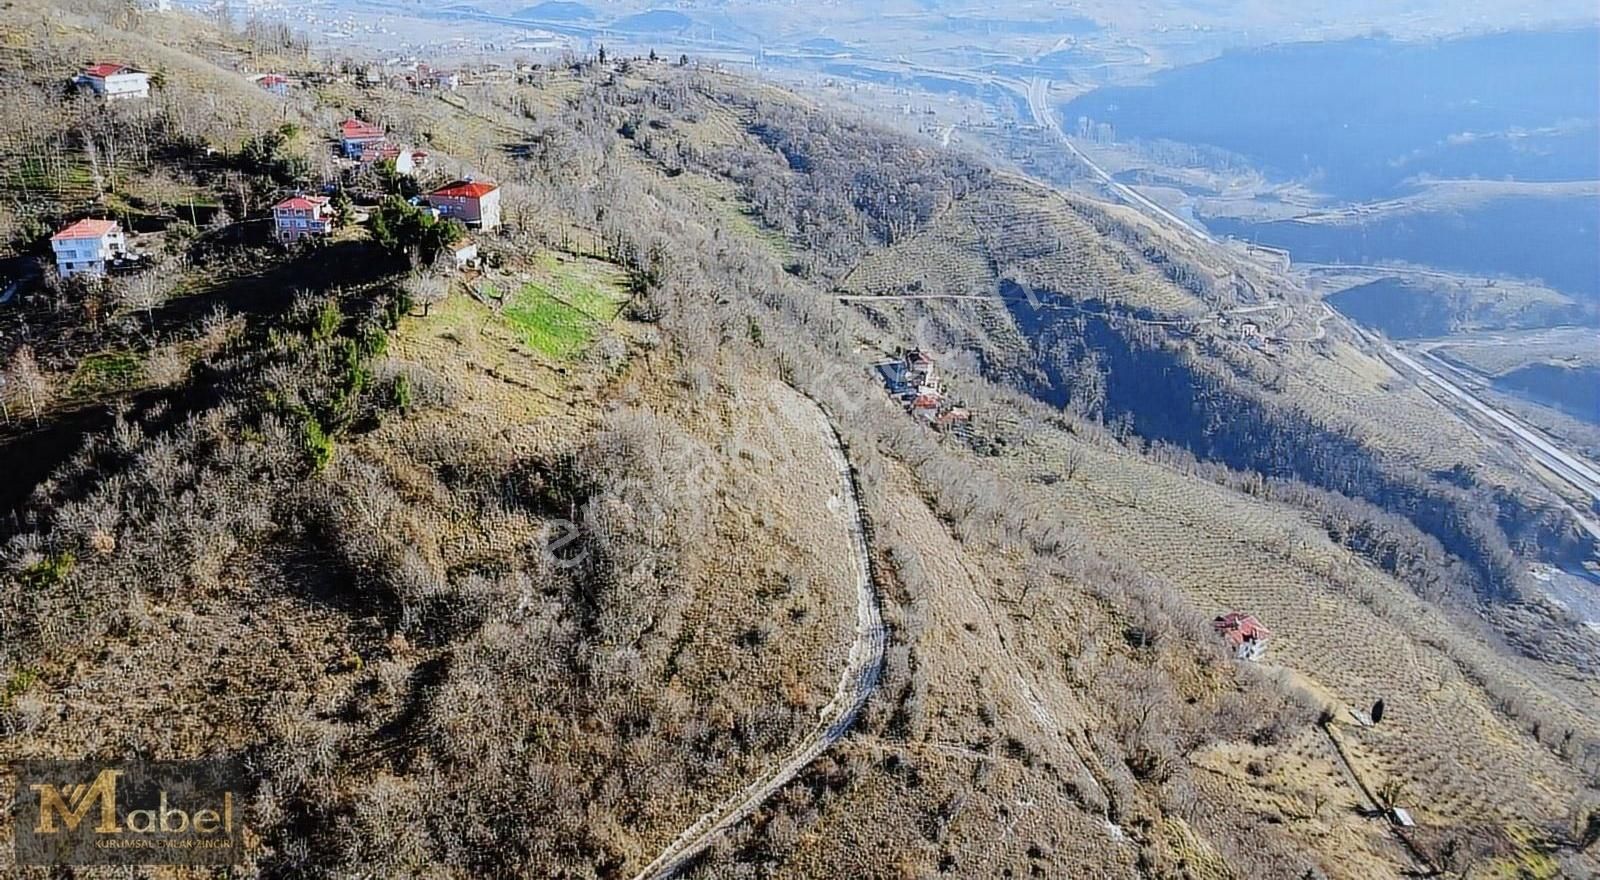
[857, 683]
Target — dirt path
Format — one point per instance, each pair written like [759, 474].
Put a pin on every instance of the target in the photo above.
[858, 681]
[1420, 861]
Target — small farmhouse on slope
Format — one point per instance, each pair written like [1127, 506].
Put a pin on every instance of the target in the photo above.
[475, 203]
[355, 134]
[914, 381]
[464, 253]
[1245, 635]
[406, 160]
[87, 246]
[114, 81]
[300, 216]
[274, 83]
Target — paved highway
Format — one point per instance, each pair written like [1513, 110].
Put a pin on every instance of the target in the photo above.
[1579, 473]
[1038, 91]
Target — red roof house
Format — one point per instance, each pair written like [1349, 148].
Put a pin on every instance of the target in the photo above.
[918, 371]
[87, 228]
[376, 151]
[274, 83]
[87, 246]
[104, 69]
[473, 202]
[357, 133]
[111, 79]
[299, 216]
[925, 406]
[1245, 635]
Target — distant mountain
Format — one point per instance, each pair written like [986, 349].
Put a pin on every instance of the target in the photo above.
[654, 21]
[1360, 117]
[557, 10]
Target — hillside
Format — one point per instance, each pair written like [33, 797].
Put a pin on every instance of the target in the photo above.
[523, 568]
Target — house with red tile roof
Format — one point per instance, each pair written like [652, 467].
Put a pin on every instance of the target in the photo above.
[114, 81]
[473, 202]
[87, 246]
[378, 151]
[405, 159]
[274, 83]
[1245, 635]
[355, 134]
[296, 217]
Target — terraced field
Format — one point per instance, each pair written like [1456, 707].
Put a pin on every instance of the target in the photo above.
[1351, 632]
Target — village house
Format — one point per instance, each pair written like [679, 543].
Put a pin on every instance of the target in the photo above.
[277, 85]
[300, 216]
[920, 373]
[426, 78]
[378, 151]
[475, 203]
[87, 246]
[405, 159]
[464, 253]
[356, 134]
[954, 419]
[913, 380]
[1245, 635]
[114, 81]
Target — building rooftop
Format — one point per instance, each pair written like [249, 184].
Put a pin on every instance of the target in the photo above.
[475, 189]
[303, 203]
[357, 128]
[374, 152]
[89, 228]
[1238, 628]
[104, 69]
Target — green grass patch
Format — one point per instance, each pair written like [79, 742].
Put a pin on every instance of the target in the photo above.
[32, 174]
[547, 325]
[104, 372]
[560, 310]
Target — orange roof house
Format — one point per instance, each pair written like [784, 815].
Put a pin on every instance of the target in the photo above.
[87, 246]
[87, 228]
[1245, 635]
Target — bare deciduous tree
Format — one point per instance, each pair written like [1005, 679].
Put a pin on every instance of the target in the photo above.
[25, 383]
[427, 289]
